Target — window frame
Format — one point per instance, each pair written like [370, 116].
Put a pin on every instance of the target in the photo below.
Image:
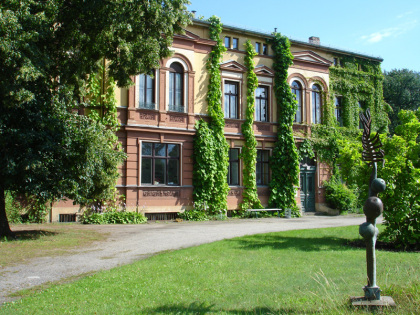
[338, 109]
[235, 46]
[236, 83]
[141, 100]
[228, 42]
[300, 104]
[153, 157]
[265, 49]
[230, 168]
[173, 72]
[260, 166]
[258, 104]
[316, 106]
[258, 48]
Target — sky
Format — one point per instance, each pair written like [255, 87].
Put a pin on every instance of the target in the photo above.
[389, 29]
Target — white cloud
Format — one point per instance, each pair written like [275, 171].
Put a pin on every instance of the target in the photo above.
[389, 32]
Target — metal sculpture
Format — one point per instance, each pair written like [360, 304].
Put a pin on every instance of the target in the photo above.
[373, 207]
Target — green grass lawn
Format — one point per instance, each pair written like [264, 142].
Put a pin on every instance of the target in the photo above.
[40, 240]
[294, 272]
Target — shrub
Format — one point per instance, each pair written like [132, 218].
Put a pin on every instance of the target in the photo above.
[197, 213]
[339, 196]
[112, 217]
[13, 208]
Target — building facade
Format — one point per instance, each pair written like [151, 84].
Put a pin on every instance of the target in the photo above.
[158, 114]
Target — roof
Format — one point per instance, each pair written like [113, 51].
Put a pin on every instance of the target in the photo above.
[293, 41]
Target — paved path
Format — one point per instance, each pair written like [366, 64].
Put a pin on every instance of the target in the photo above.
[128, 243]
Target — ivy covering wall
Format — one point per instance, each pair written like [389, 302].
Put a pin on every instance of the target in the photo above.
[249, 150]
[285, 158]
[358, 81]
[211, 150]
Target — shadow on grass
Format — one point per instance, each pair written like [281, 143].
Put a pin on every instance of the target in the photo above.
[27, 235]
[204, 308]
[305, 244]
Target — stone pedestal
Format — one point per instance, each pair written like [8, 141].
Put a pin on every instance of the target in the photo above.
[361, 301]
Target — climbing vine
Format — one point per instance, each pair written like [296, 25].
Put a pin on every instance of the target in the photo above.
[359, 83]
[285, 158]
[249, 150]
[211, 150]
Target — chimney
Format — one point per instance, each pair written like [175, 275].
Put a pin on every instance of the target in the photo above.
[193, 13]
[314, 40]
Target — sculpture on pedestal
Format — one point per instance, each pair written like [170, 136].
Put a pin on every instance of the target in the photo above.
[373, 207]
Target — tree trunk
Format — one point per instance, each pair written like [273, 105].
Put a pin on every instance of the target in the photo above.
[4, 223]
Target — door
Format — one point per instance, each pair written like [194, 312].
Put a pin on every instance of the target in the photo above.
[307, 188]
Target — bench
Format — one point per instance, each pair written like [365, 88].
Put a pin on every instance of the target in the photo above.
[288, 212]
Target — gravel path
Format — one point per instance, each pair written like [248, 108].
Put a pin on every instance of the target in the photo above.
[128, 243]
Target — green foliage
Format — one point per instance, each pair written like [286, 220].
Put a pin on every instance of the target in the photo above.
[357, 80]
[249, 150]
[48, 50]
[402, 174]
[13, 208]
[197, 213]
[306, 149]
[211, 159]
[401, 91]
[285, 158]
[339, 196]
[112, 217]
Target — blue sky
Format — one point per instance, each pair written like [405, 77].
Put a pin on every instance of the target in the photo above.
[389, 29]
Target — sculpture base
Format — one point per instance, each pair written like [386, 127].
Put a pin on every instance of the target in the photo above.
[361, 301]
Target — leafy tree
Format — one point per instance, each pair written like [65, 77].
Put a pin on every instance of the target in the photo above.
[47, 51]
[402, 174]
[401, 91]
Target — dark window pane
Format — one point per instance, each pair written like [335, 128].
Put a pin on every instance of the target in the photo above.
[173, 172]
[227, 42]
[265, 49]
[235, 43]
[146, 170]
[235, 173]
[173, 150]
[160, 171]
[160, 149]
[146, 148]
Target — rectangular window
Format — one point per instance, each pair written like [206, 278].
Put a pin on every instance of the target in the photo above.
[261, 103]
[262, 171]
[233, 172]
[338, 112]
[160, 163]
[227, 42]
[336, 62]
[235, 43]
[146, 91]
[258, 48]
[231, 100]
[265, 49]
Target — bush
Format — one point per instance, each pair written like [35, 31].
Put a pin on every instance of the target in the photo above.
[197, 213]
[339, 196]
[13, 209]
[112, 217]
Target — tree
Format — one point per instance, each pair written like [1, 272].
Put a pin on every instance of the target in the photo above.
[401, 91]
[48, 49]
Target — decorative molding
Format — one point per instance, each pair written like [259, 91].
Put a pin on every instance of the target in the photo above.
[232, 65]
[160, 193]
[262, 70]
[231, 125]
[263, 127]
[235, 193]
[309, 56]
[178, 119]
[147, 116]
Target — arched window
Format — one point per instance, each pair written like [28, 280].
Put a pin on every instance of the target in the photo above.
[147, 91]
[297, 90]
[176, 87]
[316, 104]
